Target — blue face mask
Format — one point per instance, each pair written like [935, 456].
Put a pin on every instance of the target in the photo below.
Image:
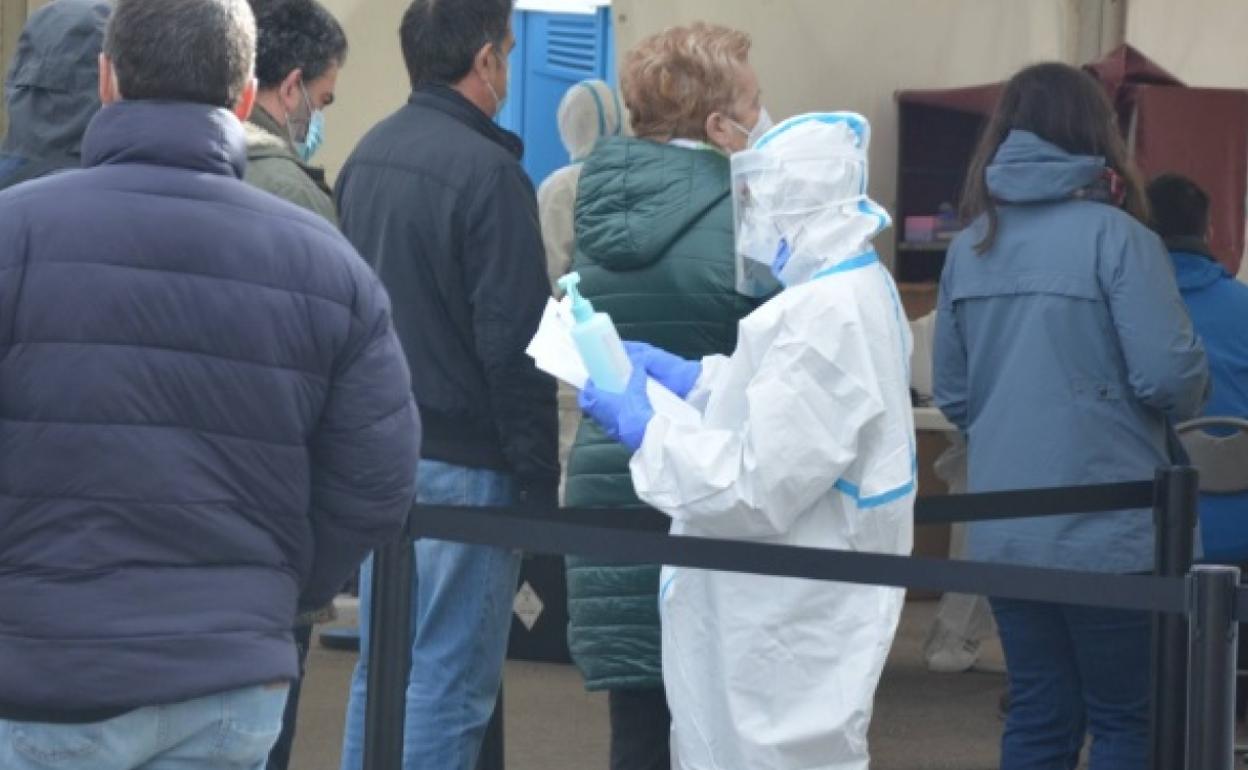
[316, 136]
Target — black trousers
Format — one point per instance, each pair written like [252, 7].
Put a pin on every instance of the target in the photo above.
[279, 757]
[640, 729]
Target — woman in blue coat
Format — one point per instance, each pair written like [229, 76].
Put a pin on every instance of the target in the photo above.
[1063, 352]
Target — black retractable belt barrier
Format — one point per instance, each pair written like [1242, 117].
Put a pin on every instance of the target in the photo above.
[557, 533]
[639, 535]
[1032, 503]
[389, 655]
[1174, 512]
[1211, 684]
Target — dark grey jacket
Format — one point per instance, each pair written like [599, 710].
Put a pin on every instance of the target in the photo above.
[434, 197]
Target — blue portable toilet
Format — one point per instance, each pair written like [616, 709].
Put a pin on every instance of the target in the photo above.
[558, 44]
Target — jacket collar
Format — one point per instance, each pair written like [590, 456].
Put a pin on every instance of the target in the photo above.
[1194, 270]
[1189, 244]
[267, 139]
[198, 137]
[451, 102]
[261, 119]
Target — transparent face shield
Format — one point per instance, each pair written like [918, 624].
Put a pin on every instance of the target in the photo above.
[793, 211]
[756, 237]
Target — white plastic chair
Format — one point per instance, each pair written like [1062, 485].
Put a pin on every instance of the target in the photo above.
[1222, 460]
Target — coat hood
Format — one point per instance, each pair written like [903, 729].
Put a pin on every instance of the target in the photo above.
[1196, 270]
[1028, 169]
[637, 197]
[52, 90]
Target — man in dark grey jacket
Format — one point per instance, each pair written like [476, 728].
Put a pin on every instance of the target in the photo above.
[205, 419]
[435, 198]
[53, 89]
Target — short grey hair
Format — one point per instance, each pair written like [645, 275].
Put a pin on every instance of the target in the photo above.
[200, 51]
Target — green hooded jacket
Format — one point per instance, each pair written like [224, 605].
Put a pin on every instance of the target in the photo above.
[273, 167]
[654, 248]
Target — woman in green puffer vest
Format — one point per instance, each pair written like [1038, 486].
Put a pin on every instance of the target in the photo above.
[654, 248]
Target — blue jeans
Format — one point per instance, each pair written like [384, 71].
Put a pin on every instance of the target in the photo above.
[230, 731]
[462, 597]
[1074, 670]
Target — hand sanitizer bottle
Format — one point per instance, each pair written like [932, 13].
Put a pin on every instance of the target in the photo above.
[597, 340]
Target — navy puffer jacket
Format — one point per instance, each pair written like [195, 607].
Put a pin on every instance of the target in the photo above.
[204, 412]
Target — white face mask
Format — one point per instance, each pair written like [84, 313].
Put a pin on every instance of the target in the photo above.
[498, 103]
[761, 126]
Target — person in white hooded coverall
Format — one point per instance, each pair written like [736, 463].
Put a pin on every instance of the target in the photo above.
[806, 438]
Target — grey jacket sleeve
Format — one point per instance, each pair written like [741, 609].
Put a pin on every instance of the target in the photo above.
[1166, 365]
[364, 451]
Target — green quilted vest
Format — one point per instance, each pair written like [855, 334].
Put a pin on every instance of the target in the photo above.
[654, 248]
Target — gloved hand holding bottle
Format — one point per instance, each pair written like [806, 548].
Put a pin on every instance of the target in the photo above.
[624, 416]
[677, 374]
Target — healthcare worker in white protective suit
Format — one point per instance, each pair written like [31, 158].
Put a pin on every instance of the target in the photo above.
[805, 438]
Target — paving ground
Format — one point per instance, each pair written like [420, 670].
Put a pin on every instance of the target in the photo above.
[923, 721]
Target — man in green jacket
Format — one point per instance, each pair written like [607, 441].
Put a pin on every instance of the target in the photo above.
[300, 47]
[300, 50]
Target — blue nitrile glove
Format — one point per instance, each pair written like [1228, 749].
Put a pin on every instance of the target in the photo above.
[624, 416]
[677, 374]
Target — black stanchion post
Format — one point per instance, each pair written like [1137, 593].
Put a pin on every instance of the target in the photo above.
[1174, 511]
[491, 757]
[389, 655]
[1211, 681]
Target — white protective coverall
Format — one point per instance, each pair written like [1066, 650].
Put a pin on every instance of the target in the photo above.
[806, 438]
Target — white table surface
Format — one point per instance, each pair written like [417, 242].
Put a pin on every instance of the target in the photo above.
[929, 418]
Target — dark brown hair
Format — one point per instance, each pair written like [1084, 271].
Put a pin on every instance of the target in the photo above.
[1066, 107]
[199, 51]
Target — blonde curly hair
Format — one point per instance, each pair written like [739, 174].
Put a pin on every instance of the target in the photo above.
[673, 80]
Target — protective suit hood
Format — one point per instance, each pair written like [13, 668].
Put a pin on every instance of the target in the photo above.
[637, 197]
[800, 201]
[52, 89]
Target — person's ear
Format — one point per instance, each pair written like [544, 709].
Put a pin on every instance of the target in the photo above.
[720, 132]
[109, 91]
[483, 62]
[288, 89]
[247, 100]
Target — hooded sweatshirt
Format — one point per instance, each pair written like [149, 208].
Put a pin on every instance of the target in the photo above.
[52, 90]
[1218, 305]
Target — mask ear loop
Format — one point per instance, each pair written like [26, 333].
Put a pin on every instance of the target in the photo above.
[619, 114]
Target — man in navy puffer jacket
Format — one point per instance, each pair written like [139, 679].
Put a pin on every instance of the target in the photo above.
[205, 418]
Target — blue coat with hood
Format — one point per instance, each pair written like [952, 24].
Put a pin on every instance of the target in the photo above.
[1219, 308]
[1062, 352]
[205, 415]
